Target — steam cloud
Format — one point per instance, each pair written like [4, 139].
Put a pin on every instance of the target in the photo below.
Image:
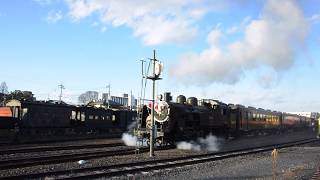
[210, 143]
[272, 40]
[129, 140]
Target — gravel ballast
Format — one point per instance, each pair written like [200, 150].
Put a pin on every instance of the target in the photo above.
[228, 168]
[292, 163]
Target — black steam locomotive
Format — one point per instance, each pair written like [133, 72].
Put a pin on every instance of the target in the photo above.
[53, 117]
[188, 119]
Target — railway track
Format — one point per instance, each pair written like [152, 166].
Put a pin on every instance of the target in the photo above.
[145, 166]
[113, 136]
[56, 148]
[43, 160]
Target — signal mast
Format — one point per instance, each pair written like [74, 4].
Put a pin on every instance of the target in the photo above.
[156, 71]
[157, 68]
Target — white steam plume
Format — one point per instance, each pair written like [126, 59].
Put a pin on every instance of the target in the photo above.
[210, 143]
[129, 140]
[127, 137]
[272, 40]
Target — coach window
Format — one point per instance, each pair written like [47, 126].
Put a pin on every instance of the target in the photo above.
[113, 117]
[96, 117]
[73, 115]
[83, 116]
[90, 117]
[15, 111]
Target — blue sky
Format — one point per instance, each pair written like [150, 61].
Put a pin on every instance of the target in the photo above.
[258, 53]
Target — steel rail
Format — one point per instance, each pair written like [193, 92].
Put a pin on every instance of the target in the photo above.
[56, 148]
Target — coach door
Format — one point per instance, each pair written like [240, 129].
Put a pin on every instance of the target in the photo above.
[243, 115]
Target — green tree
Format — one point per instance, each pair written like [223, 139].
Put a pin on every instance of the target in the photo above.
[21, 95]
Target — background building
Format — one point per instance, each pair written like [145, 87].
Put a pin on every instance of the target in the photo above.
[125, 100]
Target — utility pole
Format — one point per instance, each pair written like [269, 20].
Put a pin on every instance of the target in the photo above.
[109, 95]
[154, 77]
[61, 88]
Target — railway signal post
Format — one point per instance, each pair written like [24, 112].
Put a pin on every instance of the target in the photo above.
[157, 67]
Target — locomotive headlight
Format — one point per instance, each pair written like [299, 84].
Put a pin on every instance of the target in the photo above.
[162, 112]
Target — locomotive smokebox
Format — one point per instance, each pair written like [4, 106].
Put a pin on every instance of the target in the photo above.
[167, 97]
[181, 99]
[192, 101]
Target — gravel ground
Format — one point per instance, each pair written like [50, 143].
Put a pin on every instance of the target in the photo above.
[247, 142]
[237, 166]
[292, 163]
[97, 162]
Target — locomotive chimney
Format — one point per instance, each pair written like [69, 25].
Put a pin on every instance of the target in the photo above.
[193, 101]
[181, 99]
[167, 97]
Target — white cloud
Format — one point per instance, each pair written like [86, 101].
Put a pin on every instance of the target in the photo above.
[214, 36]
[240, 27]
[54, 17]
[315, 18]
[155, 22]
[272, 40]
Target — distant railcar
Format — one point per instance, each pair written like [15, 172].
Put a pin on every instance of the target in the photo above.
[52, 117]
[6, 119]
[190, 119]
[252, 119]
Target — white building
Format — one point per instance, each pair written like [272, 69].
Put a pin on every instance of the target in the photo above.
[124, 100]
